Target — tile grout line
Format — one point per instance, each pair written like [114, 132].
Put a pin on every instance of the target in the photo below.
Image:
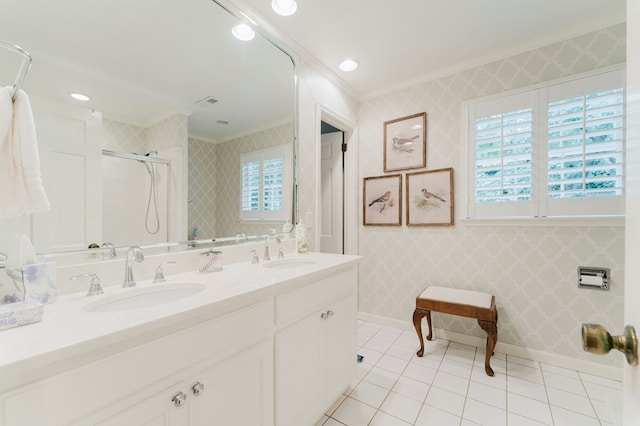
[586, 391]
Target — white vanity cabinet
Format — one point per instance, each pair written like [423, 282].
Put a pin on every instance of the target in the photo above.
[234, 392]
[231, 356]
[315, 348]
[277, 353]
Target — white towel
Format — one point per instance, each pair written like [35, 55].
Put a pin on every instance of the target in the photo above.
[21, 189]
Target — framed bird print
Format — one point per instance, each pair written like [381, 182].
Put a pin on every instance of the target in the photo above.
[382, 203]
[430, 198]
[405, 143]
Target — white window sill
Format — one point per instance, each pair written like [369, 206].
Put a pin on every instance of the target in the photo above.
[587, 221]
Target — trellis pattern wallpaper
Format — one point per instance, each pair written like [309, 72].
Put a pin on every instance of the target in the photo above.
[532, 270]
[214, 185]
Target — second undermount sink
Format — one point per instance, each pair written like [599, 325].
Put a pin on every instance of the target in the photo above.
[292, 262]
[144, 297]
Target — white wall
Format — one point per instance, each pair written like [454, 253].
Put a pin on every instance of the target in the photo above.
[315, 93]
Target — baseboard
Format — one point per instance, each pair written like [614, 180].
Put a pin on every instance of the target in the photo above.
[562, 361]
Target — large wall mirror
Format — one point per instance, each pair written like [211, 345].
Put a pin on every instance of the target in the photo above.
[188, 133]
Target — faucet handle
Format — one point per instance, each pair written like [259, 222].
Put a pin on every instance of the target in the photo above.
[112, 251]
[95, 288]
[280, 253]
[159, 278]
[254, 257]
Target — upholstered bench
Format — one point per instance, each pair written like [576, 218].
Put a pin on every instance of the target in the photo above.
[466, 303]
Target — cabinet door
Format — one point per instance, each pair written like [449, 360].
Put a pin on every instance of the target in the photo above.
[235, 392]
[157, 410]
[298, 365]
[340, 347]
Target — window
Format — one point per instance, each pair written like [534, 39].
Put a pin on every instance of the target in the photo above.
[265, 192]
[556, 150]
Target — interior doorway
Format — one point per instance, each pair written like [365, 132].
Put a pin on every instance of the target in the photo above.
[332, 189]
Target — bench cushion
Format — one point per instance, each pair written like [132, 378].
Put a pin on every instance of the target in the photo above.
[457, 296]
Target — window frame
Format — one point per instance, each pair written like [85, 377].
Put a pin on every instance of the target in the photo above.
[539, 208]
[262, 156]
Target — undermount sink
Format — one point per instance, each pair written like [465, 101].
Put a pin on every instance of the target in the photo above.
[293, 262]
[144, 297]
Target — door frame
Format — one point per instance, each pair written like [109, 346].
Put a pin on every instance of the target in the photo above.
[350, 175]
[631, 375]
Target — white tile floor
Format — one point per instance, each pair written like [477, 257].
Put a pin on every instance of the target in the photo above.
[448, 386]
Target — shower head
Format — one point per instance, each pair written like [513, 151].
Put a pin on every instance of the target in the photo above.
[146, 164]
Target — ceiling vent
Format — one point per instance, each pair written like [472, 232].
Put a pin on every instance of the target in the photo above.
[208, 101]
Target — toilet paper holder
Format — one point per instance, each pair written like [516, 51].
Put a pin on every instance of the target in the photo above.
[595, 278]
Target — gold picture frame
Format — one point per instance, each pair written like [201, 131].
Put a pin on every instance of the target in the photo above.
[430, 198]
[382, 201]
[405, 143]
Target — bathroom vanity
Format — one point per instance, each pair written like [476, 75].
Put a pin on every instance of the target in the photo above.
[253, 344]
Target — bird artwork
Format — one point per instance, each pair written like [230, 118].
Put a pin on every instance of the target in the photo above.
[430, 195]
[428, 200]
[382, 199]
[403, 144]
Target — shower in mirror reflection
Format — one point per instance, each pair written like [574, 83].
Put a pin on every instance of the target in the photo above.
[140, 186]
[152, 194]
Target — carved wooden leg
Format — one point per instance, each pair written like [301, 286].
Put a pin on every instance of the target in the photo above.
[417, 323]
[491, 328]
[429, 324]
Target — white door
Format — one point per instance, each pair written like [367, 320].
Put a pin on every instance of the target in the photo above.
[632, 201]
[70, 147]
[331, 216]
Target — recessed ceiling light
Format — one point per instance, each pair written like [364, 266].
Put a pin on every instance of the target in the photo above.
[348, 65]
[80, 97]
[284, 7]
[243, 32]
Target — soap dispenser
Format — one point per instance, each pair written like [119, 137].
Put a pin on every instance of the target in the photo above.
[302, 244]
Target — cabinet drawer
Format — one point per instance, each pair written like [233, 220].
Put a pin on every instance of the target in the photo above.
[309, 298]
[64, 398]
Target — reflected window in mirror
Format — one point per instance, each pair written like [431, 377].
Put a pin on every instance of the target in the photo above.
[264, 192]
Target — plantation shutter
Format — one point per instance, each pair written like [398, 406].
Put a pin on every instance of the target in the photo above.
[501, 156]
[265, 177]
[553, 151]
[251, 169]
[585, 146]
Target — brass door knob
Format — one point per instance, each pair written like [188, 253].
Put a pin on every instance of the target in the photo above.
[597, 340]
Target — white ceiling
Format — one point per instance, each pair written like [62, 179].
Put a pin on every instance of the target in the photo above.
[401, 42]
[142, 61]
[145, 60]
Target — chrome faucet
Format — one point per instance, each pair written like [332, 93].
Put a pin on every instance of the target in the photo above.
[134, 253]
[266, 246]
[160, 278]
[112, 251]
[96, 288]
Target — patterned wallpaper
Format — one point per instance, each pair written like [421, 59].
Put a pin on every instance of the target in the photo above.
[214, 186]
[531, 270]
[202, 188]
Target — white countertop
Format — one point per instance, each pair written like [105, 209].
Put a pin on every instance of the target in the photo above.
[69, 336]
